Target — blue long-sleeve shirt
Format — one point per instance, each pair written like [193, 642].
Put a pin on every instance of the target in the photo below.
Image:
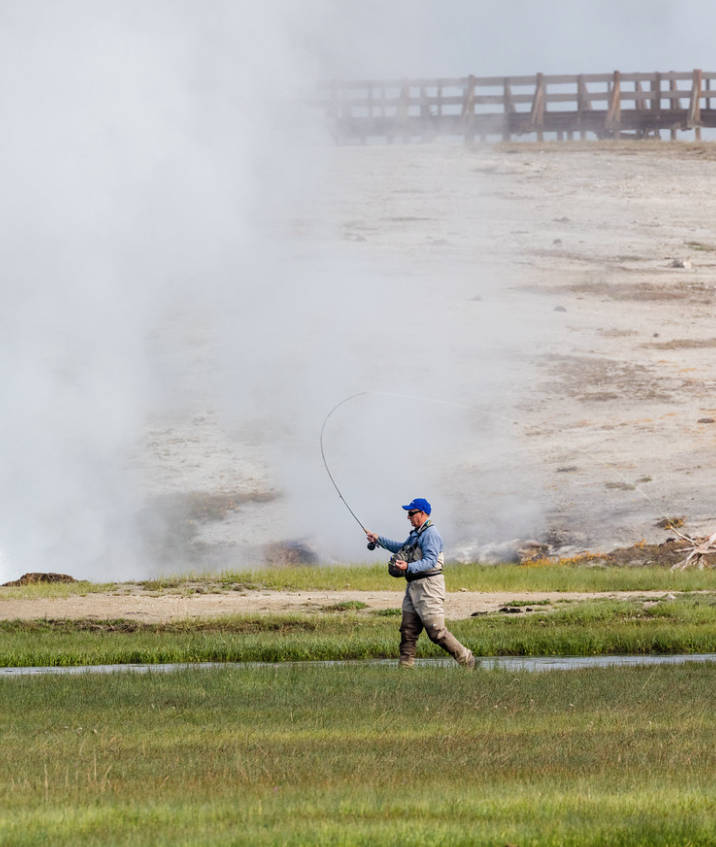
[429, 542]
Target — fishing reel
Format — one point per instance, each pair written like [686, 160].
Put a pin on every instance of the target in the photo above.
[372, 545]
[393, 570]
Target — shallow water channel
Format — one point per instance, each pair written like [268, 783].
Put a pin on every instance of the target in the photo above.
[507, 663]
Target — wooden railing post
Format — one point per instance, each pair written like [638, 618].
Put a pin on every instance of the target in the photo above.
[403, 110]
[468, 110]
[537, 110]
[508, 108]
[426, 116]
[674, 104]
[655, 103]
[693, 120]
[614, 112]
[584, 104]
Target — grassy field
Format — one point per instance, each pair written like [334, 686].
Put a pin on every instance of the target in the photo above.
[682, 624]
[360, 756]
[550, 576]
[567, 575]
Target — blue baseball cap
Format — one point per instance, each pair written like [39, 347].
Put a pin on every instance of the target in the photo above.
[419, 503]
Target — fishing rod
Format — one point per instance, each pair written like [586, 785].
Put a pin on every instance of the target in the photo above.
[503, 418]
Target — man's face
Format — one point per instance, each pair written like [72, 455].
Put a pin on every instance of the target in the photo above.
[417, 518]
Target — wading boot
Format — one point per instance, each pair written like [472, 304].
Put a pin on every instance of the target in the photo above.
[410, 628]
[440, 635]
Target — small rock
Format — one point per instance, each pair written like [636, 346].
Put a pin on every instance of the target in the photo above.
[681, 263]
[511, 610]
[707, 420]
[292, 553]
[557, 242]
[559, 309]
[34, 578]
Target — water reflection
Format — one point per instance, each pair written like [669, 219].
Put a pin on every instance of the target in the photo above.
[508, 663]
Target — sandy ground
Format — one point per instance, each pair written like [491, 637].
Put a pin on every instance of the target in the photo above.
[153, 609]
[572, 283]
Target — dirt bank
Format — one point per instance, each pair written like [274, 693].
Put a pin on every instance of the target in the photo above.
[141, 606]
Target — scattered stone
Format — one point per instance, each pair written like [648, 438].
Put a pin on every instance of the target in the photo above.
[290, 554]
[35, 578]
[529, 551]
[670, 523]
[707, 420]
[559, 309]
[477, 614]
[511, 610]
[557, 242]
[568, 469]
[681, 263]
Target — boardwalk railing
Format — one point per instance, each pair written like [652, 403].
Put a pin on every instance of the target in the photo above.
[604, 105]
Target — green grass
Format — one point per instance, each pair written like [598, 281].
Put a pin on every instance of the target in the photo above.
[558, 576]
[360, 756]
[473, 577]
[685, 624]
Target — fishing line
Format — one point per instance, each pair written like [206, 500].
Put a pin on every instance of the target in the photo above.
[613, 471]
[325, 463]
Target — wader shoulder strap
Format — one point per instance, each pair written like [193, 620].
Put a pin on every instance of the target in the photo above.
[411, 577]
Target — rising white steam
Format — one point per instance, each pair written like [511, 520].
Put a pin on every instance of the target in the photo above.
[141, 155]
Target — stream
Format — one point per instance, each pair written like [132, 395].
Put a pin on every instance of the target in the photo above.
[503, 663]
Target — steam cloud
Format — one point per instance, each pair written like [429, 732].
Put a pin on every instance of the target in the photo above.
[140, 173]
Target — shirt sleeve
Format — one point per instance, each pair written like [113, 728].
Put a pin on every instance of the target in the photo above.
[393, 546]
[432, 545]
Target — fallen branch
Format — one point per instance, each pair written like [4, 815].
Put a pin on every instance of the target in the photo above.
[700, 548]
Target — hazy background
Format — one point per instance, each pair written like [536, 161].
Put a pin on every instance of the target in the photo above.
[152, 161]
[461, 37]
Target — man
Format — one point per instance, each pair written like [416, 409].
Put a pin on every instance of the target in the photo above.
[420, 557]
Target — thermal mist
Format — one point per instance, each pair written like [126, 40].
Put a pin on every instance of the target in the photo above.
[141, 174]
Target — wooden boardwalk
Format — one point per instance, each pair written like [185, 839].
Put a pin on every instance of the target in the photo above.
[612, 105]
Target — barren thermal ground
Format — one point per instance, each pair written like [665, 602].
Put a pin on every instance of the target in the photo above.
[560, 295]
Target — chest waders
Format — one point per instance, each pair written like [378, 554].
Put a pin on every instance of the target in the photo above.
[428, 596]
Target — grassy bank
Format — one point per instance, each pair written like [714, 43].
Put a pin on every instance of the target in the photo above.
[577, 575]
[684, 624]
[346, 756]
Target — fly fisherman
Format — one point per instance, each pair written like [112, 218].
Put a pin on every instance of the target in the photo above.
[420, 560]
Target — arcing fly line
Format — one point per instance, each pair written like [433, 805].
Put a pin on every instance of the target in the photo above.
[503, 418]
[325, 463]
